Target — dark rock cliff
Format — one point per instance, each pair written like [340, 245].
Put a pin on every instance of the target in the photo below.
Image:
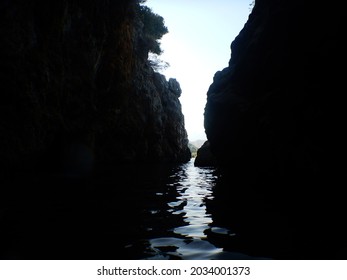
[82, 114]
[204, 157]
[275, 121]
[77, 88]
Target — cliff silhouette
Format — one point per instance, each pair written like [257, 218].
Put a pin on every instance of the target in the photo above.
[78, 89]
[274, 119]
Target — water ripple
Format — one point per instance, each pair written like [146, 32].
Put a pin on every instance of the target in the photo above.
[192, 186]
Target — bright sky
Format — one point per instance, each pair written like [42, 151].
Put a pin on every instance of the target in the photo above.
[196, 47]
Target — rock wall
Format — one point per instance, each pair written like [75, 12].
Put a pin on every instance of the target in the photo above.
[204, 157]
[77, 89]
[274, 119]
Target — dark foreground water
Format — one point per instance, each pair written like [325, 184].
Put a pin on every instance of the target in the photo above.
[164, 212]
[179, 227]
[128, 212]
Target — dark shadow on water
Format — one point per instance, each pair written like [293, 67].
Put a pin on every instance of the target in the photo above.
[288, 220]
[163, 212]
[122, 212]
[50, 216]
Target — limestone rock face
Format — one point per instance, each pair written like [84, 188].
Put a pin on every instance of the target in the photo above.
[275, 117]
[175, 87]
[204, 157]
[76, 74]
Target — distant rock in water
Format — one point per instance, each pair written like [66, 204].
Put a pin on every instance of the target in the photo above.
[78, 75]
[198, 143]
[275, 121]
[193, 149]
[204, 157]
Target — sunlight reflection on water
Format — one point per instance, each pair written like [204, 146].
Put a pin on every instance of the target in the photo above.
[188, 240]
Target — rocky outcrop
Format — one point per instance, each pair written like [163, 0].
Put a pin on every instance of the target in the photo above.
[274, 119]
[77, 88]
[204, 156]
[278, 106]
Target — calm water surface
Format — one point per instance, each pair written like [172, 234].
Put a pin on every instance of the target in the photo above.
[176, 221]
[139, 211]
[125, 212]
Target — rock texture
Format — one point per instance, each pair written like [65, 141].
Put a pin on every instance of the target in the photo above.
[77, 88]
[86, 126]
[275, 121]
[204, 156]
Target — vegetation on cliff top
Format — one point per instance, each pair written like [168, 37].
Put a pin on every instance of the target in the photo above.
[153, 30]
